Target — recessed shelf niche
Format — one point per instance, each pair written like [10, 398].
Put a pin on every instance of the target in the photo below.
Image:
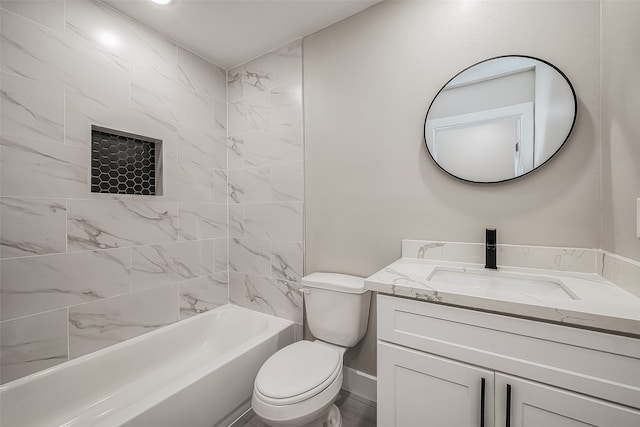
[124, 163]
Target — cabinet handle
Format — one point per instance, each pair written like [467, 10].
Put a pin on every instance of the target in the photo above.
[508, 405]
[482, 404]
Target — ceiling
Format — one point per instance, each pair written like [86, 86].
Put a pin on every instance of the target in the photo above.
[231, 32]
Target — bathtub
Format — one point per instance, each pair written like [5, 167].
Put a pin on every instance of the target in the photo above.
[197, 372]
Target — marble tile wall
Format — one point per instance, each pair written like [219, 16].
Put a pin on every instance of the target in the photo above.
[81, 271]
[266, 183]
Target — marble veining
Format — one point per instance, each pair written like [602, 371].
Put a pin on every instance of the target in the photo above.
[42, 169]
[287, 182]
[32, 227]
[31, 110]
[202, 221]
[266, 182]
[36, 284]
[120, 265]
[32, 343]
[158, 265]
[112, 224]
[103, 323]
[552, 258]
[203, 294]
[622, 271]
[286, 260]
[274, 296]
[250, 185]
[278, 144]
[249, 114]
[273, 221]
[250, 256]
[409, 277]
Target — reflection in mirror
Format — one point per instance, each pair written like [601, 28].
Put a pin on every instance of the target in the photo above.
[500, 119]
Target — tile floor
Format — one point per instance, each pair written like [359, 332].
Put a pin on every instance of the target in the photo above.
[356, 412]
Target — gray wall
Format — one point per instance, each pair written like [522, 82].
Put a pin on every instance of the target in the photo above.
[369, 181]
[620, 127]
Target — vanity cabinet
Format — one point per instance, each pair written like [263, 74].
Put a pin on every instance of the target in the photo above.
[441, 366]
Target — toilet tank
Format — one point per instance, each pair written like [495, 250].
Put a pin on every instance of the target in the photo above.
[337, 307]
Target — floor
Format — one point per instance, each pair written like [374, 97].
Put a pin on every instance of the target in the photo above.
[356, 412]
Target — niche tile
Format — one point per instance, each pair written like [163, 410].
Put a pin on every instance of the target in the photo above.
[123, 163]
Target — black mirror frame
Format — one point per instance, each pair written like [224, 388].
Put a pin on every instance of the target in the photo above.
[575, 115]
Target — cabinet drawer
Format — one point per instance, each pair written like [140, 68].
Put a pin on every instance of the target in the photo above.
[594, 363]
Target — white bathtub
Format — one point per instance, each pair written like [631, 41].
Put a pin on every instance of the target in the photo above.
[198, 372]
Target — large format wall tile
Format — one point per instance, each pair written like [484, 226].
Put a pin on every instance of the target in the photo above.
[274, 221]
[274, 296]
[157, 265]
[203, 294]
[65, 66]
[94, 22]
[266, 182]
[31, 110]
[287, 182]
[48, 13]
[43, 169]
[82, 112]
[286, 104]
[36, 284]
[93, 224]
[99, 324]
[47, 56]
[279, 67]
[201, 76]
[287, 260]
[249, 114]
[250, 185]
[33, 343]
[202, 148]
[188, 183]
[32, 227]
[277, 144]
[250, 256]
[202, 221]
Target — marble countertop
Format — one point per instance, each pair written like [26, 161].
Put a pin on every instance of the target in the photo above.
[600, 304]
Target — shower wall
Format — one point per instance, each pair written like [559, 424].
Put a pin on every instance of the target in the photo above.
[81, 271]
[266, 183]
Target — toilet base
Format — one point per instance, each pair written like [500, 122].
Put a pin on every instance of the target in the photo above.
[331, 418]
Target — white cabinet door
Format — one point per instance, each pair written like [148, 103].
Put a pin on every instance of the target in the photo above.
[418, 389]
[537, 405]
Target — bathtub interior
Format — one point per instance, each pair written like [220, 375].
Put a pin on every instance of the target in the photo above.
[107, 384]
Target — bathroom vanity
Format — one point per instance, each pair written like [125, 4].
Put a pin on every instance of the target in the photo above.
[458, 346]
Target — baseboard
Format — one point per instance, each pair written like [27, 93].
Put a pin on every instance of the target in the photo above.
[359, 383]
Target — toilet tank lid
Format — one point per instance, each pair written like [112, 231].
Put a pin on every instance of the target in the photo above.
[335, 282]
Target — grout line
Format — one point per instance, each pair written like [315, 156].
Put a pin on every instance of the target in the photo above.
[68, 336]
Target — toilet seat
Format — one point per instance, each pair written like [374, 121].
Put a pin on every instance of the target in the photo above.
[297, 373]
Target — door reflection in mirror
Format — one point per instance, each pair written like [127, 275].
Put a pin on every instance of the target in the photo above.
[500, 119]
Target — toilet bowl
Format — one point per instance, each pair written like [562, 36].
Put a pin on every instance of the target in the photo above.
[297, 386]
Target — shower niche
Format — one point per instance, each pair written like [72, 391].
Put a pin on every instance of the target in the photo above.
[124, 163]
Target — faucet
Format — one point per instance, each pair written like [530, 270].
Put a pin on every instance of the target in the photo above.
[490, 249]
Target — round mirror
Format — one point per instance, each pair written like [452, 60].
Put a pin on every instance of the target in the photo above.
[500, 119]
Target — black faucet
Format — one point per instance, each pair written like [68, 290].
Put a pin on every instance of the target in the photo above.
[490, 249]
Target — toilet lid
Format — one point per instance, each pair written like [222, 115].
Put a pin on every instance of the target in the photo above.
[298, 369]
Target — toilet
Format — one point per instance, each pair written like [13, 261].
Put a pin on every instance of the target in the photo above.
[297, 386]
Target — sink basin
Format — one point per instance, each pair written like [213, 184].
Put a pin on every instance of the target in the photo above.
[534, 286]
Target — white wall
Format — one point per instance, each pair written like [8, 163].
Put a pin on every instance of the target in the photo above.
[369, 180]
